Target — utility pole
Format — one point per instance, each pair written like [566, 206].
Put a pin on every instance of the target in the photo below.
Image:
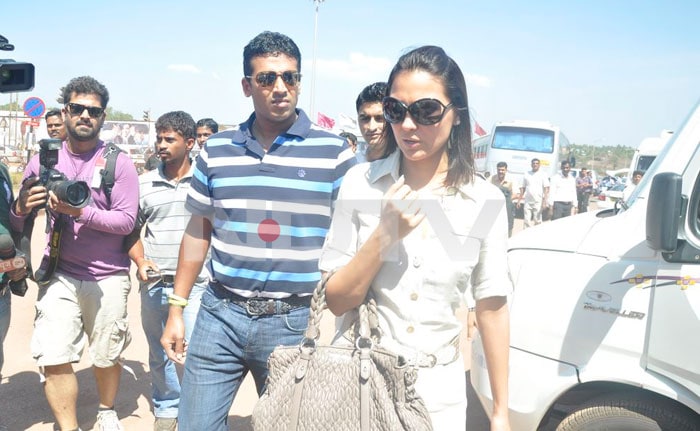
[312, 112]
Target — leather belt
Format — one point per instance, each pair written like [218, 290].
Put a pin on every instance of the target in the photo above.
[168, 278]
[258, 306]
[443, 356]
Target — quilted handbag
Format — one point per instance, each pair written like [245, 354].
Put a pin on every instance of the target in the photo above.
[313, 387]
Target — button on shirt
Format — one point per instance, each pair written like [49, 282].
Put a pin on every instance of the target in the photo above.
[535, 183]
[563, 189]
[460, 246]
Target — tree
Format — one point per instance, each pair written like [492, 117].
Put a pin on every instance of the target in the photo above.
[114, 115]
[12, 106]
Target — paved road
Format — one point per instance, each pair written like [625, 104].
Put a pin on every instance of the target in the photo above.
[24, 407]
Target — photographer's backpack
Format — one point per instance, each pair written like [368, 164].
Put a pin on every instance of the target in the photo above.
[42, 276]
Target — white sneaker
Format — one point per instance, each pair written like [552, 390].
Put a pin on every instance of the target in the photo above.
[107, 420]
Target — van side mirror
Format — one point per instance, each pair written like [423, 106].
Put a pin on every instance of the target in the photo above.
[664, 212]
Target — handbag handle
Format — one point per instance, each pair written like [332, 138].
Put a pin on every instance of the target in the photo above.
[368, 317]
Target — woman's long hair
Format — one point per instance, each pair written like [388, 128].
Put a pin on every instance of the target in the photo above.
[434, 60]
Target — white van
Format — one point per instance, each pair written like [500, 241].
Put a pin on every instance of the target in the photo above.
[605, 316]
[647, 151]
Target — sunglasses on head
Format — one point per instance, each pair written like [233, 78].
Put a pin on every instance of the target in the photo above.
[75, 109]
[423, 111]
[266, 79]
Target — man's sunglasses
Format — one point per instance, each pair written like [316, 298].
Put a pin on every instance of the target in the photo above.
[266, 79]
[75, 109]
[423, 111]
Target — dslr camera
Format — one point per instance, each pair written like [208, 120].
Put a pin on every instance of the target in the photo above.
[74, 193]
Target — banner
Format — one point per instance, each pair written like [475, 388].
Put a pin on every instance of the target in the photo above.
[325, 121]
[478, 130]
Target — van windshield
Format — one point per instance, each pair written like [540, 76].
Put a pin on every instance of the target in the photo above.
[650, 171]
[644, 162]
[524, 139]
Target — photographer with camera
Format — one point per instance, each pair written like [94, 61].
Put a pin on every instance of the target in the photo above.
[84, 276]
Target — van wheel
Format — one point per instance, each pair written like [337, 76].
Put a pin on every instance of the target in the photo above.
[630, 412]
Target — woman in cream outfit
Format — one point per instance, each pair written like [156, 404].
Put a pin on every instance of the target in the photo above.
[420, 232]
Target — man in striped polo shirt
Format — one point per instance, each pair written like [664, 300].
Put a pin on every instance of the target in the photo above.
[162, 210]
[262, 197]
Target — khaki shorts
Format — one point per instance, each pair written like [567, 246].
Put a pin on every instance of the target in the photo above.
[68, 310]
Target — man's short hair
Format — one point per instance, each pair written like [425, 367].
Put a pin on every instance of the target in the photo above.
[638, 173]
[373, 93]
[534, 160]
[266, 44]
[209, 123]
[178, 121]
[52, 113]
[85, 85]
[502, 165]
[349, 136]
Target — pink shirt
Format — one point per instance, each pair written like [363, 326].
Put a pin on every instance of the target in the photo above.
[92, 249]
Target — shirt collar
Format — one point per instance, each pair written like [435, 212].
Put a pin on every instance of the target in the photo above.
[391, 164]
[300, 128]
[161, 172]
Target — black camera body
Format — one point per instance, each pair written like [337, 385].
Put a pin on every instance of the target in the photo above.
[74, 193]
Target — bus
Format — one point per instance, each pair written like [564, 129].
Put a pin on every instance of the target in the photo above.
[517, 143]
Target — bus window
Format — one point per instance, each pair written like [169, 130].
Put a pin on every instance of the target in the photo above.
[523, 139]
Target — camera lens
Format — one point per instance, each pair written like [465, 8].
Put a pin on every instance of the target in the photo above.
[74, 193]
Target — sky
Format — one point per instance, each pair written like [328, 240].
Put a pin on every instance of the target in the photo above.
[606, 72]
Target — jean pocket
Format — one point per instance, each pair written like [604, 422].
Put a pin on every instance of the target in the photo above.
[297, 320]
[211, 302]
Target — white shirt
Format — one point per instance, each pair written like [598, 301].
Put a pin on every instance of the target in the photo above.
[460, 246]
[535, 183]
[563, 189]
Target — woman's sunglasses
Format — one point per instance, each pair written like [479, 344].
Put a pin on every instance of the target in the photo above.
[75, 109]
[423, 111]
[266, 79]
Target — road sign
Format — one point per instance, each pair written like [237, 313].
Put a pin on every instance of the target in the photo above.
[35, 123]
[34, 107]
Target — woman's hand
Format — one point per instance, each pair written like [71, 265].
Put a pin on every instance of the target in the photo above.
[401, 210]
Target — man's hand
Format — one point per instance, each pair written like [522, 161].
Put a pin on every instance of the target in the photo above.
[17, 274]
[471, 324]
[145, 270]
[173, 338]
[32, 194]
[58, 206]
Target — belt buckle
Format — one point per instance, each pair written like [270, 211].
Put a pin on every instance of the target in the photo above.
[259, 307]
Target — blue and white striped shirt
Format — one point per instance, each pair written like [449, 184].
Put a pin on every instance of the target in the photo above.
[270, 211]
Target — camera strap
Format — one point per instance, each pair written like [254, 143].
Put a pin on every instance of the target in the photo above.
[42, 276]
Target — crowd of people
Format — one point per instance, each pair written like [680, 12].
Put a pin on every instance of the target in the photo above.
[230, 244]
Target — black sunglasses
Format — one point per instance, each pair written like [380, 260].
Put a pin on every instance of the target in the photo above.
[78, 109]
[423, 111]
[266, 79]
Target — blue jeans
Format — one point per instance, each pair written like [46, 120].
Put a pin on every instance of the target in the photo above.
[226, 345]
[5, 313]
[154, 315]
